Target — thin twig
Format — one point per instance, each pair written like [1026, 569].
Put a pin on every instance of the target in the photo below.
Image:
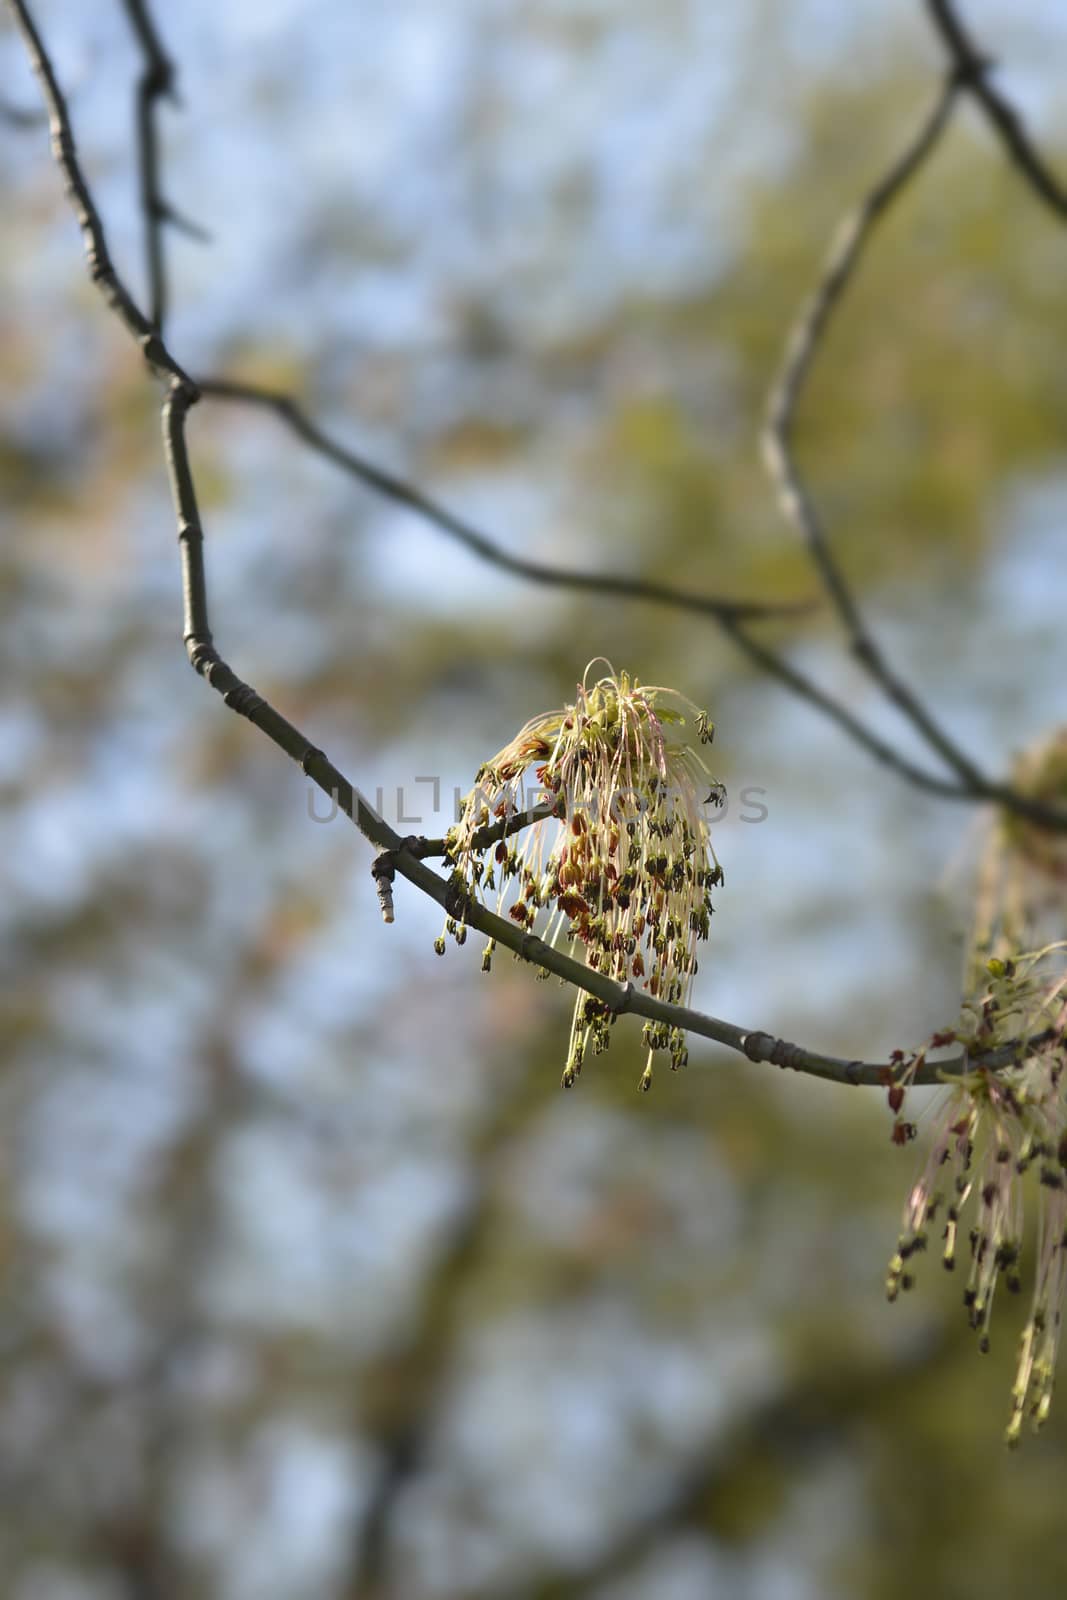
[972, 70]
[802, 347]
[839, 714]
[157, 81]
[404, 493]
[492, 833]
[795, 499]
[1050, 817]
[101, 267]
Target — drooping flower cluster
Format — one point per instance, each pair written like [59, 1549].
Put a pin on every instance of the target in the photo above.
[1002, 1127]
[619, 862]
[1003, 1131]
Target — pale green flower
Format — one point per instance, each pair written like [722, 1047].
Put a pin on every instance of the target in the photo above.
[624, 867]
[1002, 1134]
[999, 1135]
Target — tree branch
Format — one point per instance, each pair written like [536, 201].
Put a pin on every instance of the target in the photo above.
[101, 267]
[182, 393]
[492, 833]
[802, 348]
[972, 74]
[404, 493]
[157, 81]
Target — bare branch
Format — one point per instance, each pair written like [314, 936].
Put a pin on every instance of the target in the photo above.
[157, 80]
[408, 494]
[101, 267]
[802, 347]
[794, 497]
[1050, 817]
[493, 833]
[182, 393]
[839, 714]
[972, 73]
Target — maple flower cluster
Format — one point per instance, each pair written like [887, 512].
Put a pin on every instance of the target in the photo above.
[1001, 1127]
[618, 861]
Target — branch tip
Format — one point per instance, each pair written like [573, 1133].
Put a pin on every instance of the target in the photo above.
[383, 871]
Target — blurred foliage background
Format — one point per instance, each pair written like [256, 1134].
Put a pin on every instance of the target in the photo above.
[314, 1282]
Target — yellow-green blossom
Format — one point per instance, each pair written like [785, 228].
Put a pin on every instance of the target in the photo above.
[619, 863]
[1000, 1133]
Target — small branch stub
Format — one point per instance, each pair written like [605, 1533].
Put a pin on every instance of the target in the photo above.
[383, 872]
